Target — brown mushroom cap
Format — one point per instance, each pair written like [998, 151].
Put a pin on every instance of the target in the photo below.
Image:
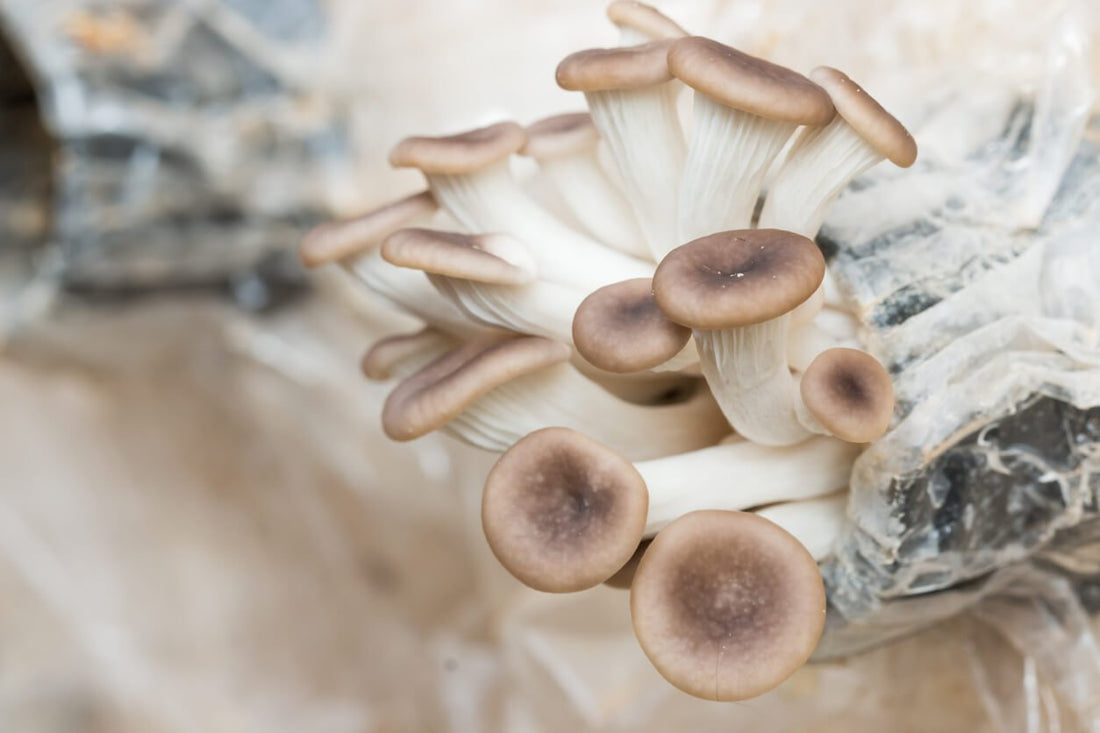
[748, 83]
[879, 128]
[850, 393]
[646, 19]
[379, 361]
[727, 605]
[737, 278]
[620, 329]
[462, 153]
[336, 240]
[602, 69]
[561, 135]
[439, 392]
[563, 512]
[450, 254]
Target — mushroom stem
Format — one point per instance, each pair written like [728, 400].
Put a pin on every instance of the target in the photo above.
[741, 475]
[643, 134]
[816, 523]
[729, 154]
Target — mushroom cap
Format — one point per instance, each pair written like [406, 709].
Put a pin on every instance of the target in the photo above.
[450, 254]
[737, 278]
[563, 512]
[439, 392]
[850, 393]
[620, 329]
[602, 69]
[879, 128]
[748, 83]
[727, 605]
[336, 240]
[561, 135]
[646, 19]
[462, 153]
[378, 363]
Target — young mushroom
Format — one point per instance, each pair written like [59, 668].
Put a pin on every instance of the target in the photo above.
[640, 23]
[846, 393]
[403, 354]
[469, 175]
[727, 605]
[490, 392]
[566, 148]
[745, 110]
[632, 97]
[563, 512]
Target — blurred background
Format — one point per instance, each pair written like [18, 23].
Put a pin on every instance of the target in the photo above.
[202, 527]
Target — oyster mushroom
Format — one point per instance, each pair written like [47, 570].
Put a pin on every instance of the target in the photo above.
[640, 23]
[403, 354]
[564, 512]
[492, 391]
[565, 147]
[745, 109]
[727, 605]
[632, 98]
[469, 175]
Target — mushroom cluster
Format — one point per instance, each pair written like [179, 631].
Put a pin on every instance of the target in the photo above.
[671, 378]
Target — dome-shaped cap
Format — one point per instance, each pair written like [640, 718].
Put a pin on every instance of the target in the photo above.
[563, 512]
[619, 328]
[850, 393]
[879, 128]
[385, 354]
[439, 392]
[727, 605]
[645, 19]
[462, 153]
[601, 69]
[748, 83]
[451, 254]
[737, 278]
[561, 135]
[336, 240]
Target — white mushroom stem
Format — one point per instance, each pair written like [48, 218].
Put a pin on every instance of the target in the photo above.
[537, 308]
[816, 523]
[740, 475]
[490, 200]
[642, 130]
[595, 201]
[747, 371]
[727, 160]
[409, 291]
[806, 341]
[561, 396]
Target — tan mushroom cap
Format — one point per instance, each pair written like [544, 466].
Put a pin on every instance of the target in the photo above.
[439, 392]
[451, 254]
[620, 329]
[385, 354]
[879, 128]
[646, 19]
[748, 83]
[727, 605]
[462, 153]
[850, 393]
[560, 136]
[737, 278]
[337, 240]
[602, 69]
[563, 512]
[624, 576]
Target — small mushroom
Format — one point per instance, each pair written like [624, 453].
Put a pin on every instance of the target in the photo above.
[601, 505]
[403, 354]
[475, 272]
[620, 329]
[632, 97]
[336, 241]
[849, 394]
[736, 291]
[566, 148]
[745, 109]
[727, 605]
[490, 392]
[641, 23]
[469, 175]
